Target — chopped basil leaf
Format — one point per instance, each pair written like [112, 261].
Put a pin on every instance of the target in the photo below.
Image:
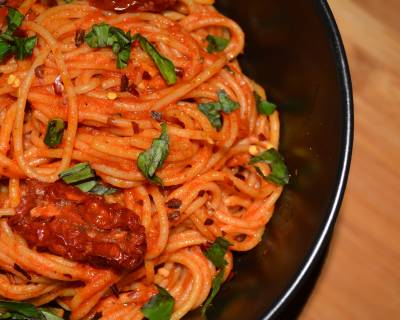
[103, 35]
[153, 158]
[5, 49]
[123, 57]
[49, 315]
[14, 20]
[98, 37]
[216, 254]
[68, 1]
[216, 44]
[102, 190]
[24, 311]
[166, 67]
[84, 177]
[216, 285]
[20, 309]
[160, 306]
[10, 44]
[80, 173]
[227, 104]
[279, 171]
[54, 133]
[120, 37]
[213, 109]
[264, 106]
[24, 47]
[86, 186]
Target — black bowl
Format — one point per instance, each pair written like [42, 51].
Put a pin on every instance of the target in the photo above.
[293, 48]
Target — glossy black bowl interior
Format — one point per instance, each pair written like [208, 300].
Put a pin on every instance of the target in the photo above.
[294, 50]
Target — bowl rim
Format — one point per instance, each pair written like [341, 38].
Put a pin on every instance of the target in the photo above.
[322, 239]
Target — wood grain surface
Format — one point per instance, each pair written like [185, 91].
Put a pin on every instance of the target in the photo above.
[361, 276]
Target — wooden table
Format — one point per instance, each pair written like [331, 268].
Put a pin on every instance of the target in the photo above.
[361, 276]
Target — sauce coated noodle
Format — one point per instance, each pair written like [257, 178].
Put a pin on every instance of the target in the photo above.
[112, 115]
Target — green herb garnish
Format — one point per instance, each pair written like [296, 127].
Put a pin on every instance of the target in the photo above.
[80, 173]
[166, 67]
[49, 315]
[216, 44]
[160, 306]
[213, 109]
[216, 254]
[99, 36]
[102, 190]
[54, 132]
[279, 171]
[264, 106]
[227, 105]
[24, 47]
[14, 20]
[153, 158]
[84, 177]
[24, 311]
[103, 35]
[10, 44]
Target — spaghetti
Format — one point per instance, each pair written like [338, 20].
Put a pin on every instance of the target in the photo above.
[116, 103]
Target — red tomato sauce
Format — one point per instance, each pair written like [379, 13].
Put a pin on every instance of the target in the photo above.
[61, 219]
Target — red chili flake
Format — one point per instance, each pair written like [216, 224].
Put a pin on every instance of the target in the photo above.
[79, 37]
[146, 75]
[97, 316]
[156, 116]
[11, 278]
[241, 237]
[133, 295]
[209, 207]
[52, 3]
[114, 290]
[22, 271]
[174, 215]
[58, 86]
[179, 72]
[135, 128]
[39, 71]
[132, 90]
[174, 203]
[208, 222]
[240, 176]
[76, 284]
[136, 43]
[205, 246]
[124, 83]
[20, 33]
